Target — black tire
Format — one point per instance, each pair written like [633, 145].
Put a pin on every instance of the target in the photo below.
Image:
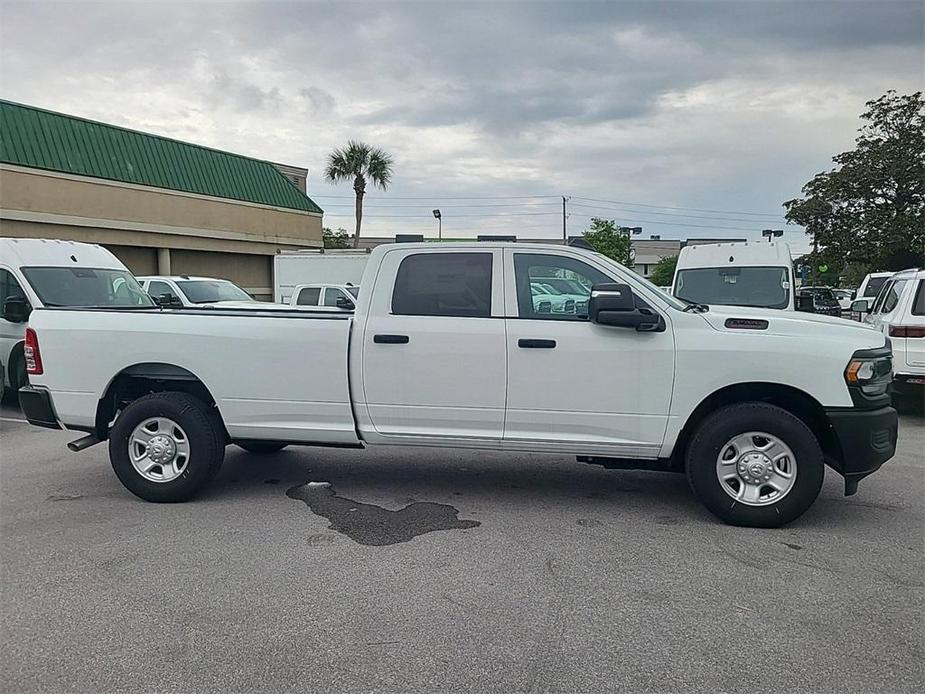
[260, 447]
[16, 375]
[206, 446]
[720, 427]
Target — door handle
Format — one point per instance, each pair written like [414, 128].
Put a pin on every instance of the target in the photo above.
[536, 344]
[390, 339]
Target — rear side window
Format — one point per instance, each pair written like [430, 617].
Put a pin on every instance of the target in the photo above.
[873, 286]
[309, 296]
[443, 284]
[918, 304]
[891, 296]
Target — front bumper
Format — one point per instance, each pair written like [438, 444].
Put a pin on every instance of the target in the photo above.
[36, 405]
[867, 439]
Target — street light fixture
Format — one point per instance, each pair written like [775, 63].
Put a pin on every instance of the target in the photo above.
[439, 219]
[772, 233]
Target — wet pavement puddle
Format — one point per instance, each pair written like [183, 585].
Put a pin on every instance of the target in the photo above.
[369, 524]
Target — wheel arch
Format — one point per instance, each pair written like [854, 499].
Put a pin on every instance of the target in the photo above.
[795, 401]
[138, 380]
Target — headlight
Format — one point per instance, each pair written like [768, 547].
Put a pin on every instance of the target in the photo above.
[872, 375]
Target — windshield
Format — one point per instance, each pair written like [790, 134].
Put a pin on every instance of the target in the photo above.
[84, 286]
[760, 287]
[354, 290]
[210, 291]
[874, 284]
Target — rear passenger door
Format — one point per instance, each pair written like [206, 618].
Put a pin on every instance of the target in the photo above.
[433, 353]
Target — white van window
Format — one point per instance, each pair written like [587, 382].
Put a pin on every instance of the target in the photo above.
[9, 288]
[85, 286]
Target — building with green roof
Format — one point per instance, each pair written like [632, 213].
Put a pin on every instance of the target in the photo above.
[161, 205]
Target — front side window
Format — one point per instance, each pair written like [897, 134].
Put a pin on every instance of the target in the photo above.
[553, 287]
[157, 289]
[758, 287]
[84, 286]
[331, 295]
[444, 284]
[308, 296]
[9, 288]
[210, 291]
[891, 296]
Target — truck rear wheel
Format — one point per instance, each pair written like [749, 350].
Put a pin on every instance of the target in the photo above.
[165, 447]
[755, 464]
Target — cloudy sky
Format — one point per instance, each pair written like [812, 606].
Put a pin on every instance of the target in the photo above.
[688, 119]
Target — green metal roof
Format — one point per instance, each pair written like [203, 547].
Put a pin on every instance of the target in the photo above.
[42, 139]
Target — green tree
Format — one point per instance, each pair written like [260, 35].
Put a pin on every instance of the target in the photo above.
[360, 163]
[605, 237]
[335, 239]
[662, 274]
[869, 211]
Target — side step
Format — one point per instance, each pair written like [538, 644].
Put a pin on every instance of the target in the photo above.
[657, 464]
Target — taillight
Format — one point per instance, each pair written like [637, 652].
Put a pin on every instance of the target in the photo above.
[32, 354]
[907, 331]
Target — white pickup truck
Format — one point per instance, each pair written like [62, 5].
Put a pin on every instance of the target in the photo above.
[447, 348]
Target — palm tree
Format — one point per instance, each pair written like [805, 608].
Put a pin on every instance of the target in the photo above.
[359, 162]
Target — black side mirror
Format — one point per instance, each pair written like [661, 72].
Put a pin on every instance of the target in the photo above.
[167, 301]
[16, 310]
[614, 304]
[344, 303]
[804, 302]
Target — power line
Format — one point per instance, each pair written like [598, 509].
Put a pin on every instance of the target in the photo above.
[692, 209]
[482, 214]
[666, 214]
[679, 224]
[447, 197]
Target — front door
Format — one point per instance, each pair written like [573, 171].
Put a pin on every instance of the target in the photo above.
[572, 384]
[434, 351]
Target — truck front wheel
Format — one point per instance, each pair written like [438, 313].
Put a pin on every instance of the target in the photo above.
[755, 464]
[165, 447]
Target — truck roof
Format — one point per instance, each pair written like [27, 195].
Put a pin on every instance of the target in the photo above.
[752, 254]
[182, 278]
[56, 253]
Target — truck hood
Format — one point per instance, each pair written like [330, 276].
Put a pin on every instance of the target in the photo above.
[794, 323]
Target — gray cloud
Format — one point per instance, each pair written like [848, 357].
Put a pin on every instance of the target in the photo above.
[728, 105]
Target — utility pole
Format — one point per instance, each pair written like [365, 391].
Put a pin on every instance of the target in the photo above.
[565, 199]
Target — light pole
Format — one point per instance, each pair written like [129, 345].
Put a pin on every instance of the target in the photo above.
[439, 219]
[772, 233]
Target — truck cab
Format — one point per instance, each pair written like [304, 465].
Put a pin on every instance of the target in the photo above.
[752, 274]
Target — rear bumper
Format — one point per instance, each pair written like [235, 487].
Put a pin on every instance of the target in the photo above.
[36, 405]
[867, 439]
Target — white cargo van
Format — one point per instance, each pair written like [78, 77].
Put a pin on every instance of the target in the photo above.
[754, 274]
[316, 267]
[45, 272]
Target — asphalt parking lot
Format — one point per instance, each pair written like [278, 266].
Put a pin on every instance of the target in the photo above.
[448, 571]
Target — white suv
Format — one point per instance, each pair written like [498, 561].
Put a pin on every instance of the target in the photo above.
[899, 312]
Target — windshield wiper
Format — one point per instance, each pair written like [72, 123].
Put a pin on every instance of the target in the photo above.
[693, 306]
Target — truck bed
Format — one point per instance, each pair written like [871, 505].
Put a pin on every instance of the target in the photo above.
[273, 374]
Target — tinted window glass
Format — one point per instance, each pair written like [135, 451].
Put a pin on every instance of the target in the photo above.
[918, 304]
[309, 296]
[84, 286]
[554, 287]
[444, 284]
[210, 291]
[891, 296]
[354, 290]
[873, 285]
[157, 289]
[9, 288]
[332, 295]
[761, 287]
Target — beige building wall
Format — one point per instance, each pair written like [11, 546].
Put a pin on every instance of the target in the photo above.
[206, 236]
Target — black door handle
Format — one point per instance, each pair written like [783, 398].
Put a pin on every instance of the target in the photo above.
[536, 344]
[390, 339]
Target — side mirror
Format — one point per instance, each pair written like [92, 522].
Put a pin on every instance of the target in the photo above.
[804, 302]
[167, 301]
[344, 303]
[16, 310]
[614, 304]
[860, 306]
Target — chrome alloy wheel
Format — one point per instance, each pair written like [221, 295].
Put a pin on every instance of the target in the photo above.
[159, 449]
[756, 468]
